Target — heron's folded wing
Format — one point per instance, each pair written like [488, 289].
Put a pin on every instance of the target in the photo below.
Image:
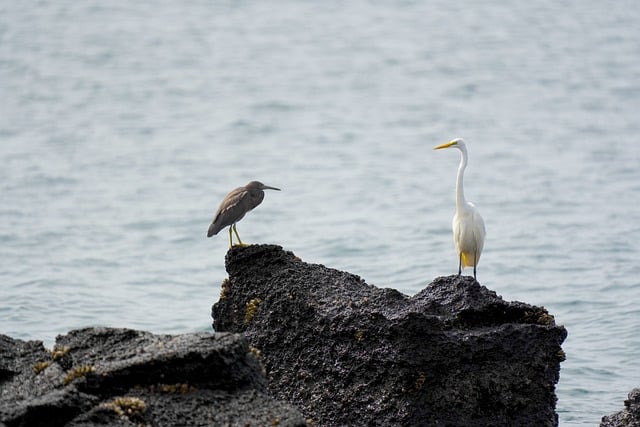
[231, 210]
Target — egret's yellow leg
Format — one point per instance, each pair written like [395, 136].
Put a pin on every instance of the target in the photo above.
[468, 260]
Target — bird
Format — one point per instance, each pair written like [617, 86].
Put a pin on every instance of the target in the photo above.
[468, 226]
[234, 207]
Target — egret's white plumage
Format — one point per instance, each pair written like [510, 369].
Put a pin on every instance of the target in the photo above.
[468, 225]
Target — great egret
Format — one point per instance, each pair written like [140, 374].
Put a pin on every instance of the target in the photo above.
[235, 205]
[468, 225]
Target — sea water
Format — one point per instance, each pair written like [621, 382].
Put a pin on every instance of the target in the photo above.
[124, 124]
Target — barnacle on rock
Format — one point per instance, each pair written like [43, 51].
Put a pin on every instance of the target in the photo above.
[40, 366]
[561, 355]
[539, 317]
[79, 372]
[422, 377]
[225, 288]
[256, 352]
[546, 319]
[126, 406]
[58, 353]
[179, 388]
[252, 306]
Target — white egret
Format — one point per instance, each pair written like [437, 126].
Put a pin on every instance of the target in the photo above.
[468, 225]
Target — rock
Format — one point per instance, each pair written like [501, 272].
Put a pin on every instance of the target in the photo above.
[349, 353]
[123, 377]
[629, 416]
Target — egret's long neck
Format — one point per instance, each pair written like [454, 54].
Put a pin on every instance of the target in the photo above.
[461, 202]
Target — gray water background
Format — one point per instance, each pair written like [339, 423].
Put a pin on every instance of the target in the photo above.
[123, 124]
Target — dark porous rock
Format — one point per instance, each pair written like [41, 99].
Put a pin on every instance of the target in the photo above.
[349, 353]
[629, 416]
[124, 377]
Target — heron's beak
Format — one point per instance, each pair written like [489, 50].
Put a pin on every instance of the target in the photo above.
[266, 187]
[445, 145]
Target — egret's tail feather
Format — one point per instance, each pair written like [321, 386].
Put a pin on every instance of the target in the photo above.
[469, 260]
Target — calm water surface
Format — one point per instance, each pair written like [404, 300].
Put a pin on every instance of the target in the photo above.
[123, 125]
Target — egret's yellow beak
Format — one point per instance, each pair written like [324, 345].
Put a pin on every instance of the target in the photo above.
[446, 145]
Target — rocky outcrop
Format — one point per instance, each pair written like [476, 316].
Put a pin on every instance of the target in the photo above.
[629, 416]
[123, 377]
[348, 353]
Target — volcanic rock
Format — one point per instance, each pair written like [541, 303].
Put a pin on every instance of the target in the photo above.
[349, 353]
[629, 416]
[124, 377]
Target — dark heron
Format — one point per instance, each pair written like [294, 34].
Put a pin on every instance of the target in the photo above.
[235, 205]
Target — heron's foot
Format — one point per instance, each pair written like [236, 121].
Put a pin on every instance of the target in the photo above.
[239, 245]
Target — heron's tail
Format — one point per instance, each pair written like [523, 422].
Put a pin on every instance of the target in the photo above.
[213, 229]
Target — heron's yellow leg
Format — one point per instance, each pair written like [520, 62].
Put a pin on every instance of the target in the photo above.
[230, 238]
[235, 230]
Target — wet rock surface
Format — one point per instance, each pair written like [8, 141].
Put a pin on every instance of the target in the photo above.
[123, 377]
[629, 416]
[349, 353]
